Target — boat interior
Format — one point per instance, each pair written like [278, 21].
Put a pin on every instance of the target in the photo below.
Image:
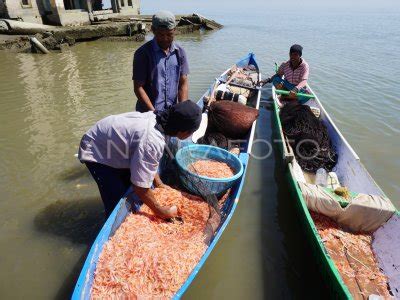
[349, 169]
[352, 174]
[131, 202]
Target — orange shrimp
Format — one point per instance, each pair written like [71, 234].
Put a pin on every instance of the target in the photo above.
[148, 257]
[211, 168]
[353, 256]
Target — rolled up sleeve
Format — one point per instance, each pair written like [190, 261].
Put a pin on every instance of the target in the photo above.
[140, 69]
[144, 163]
[185, 63]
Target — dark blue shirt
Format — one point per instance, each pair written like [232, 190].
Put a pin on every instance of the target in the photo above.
[160, 73]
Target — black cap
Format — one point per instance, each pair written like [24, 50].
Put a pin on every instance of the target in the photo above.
[183, 116]
[296, 49]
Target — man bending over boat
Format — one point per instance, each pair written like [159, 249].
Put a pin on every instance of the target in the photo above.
[123, 150]
[292, 75]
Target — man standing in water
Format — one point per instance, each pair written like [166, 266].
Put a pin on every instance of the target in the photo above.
[296, 72]
[160, 68]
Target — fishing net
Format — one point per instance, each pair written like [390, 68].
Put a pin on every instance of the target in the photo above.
[214, 139]
[308, 137]
[232, 119]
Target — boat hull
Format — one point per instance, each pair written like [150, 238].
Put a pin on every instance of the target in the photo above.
[352, 174]
[328, 272]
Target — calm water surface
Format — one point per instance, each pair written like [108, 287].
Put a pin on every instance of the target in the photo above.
[50, 207]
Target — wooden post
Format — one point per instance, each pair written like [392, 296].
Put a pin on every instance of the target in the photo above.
[115, 6]
[90, 10]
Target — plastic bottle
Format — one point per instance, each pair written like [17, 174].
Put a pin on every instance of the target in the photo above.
[321, 177]
[333, 181]
[242, 99]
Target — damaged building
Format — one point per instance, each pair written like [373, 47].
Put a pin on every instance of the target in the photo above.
[67, 12]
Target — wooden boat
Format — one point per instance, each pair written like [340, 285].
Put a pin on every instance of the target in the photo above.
[83, 286]
[352, 174]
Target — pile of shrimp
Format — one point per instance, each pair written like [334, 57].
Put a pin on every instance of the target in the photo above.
[151, 258]
[211, 168]
[353, 256]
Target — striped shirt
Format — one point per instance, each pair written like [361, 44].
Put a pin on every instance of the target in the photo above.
[298, 76]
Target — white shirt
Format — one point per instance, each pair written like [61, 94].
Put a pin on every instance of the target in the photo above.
[126, 141]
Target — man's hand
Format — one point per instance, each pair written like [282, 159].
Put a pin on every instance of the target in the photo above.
[293, 93]
[265, 81]
[168, 212]
[147, 197]
[279, 86]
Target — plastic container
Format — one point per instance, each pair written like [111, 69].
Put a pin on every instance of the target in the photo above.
[333, 181]
[226, 95]
[316, 111]
[223, 93]
[321, 177]
[202, 185]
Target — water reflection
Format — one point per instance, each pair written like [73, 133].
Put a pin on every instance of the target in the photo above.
[78, 220]
[74, 173]
[71, 71]
[36, 82]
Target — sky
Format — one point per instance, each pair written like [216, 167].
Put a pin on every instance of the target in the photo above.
[149, 6]
[184, 6]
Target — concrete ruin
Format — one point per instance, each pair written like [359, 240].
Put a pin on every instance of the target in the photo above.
[16, 36]
[67, 12]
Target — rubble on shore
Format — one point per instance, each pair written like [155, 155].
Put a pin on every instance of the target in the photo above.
[16, 36]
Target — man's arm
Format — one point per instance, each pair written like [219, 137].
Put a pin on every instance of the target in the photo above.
[140, 75]
[157, 181]
[147, 197]
[302, 84]
[183, 90]
[142, 95]
[304, 77]
[279, 73]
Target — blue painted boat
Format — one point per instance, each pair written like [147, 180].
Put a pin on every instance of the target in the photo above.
[83, 286]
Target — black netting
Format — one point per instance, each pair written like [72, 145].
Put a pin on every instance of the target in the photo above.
[214, 139]
[308, 137]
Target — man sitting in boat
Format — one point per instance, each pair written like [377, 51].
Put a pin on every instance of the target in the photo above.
[125, 149]
[160, 67]
[295, 72]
